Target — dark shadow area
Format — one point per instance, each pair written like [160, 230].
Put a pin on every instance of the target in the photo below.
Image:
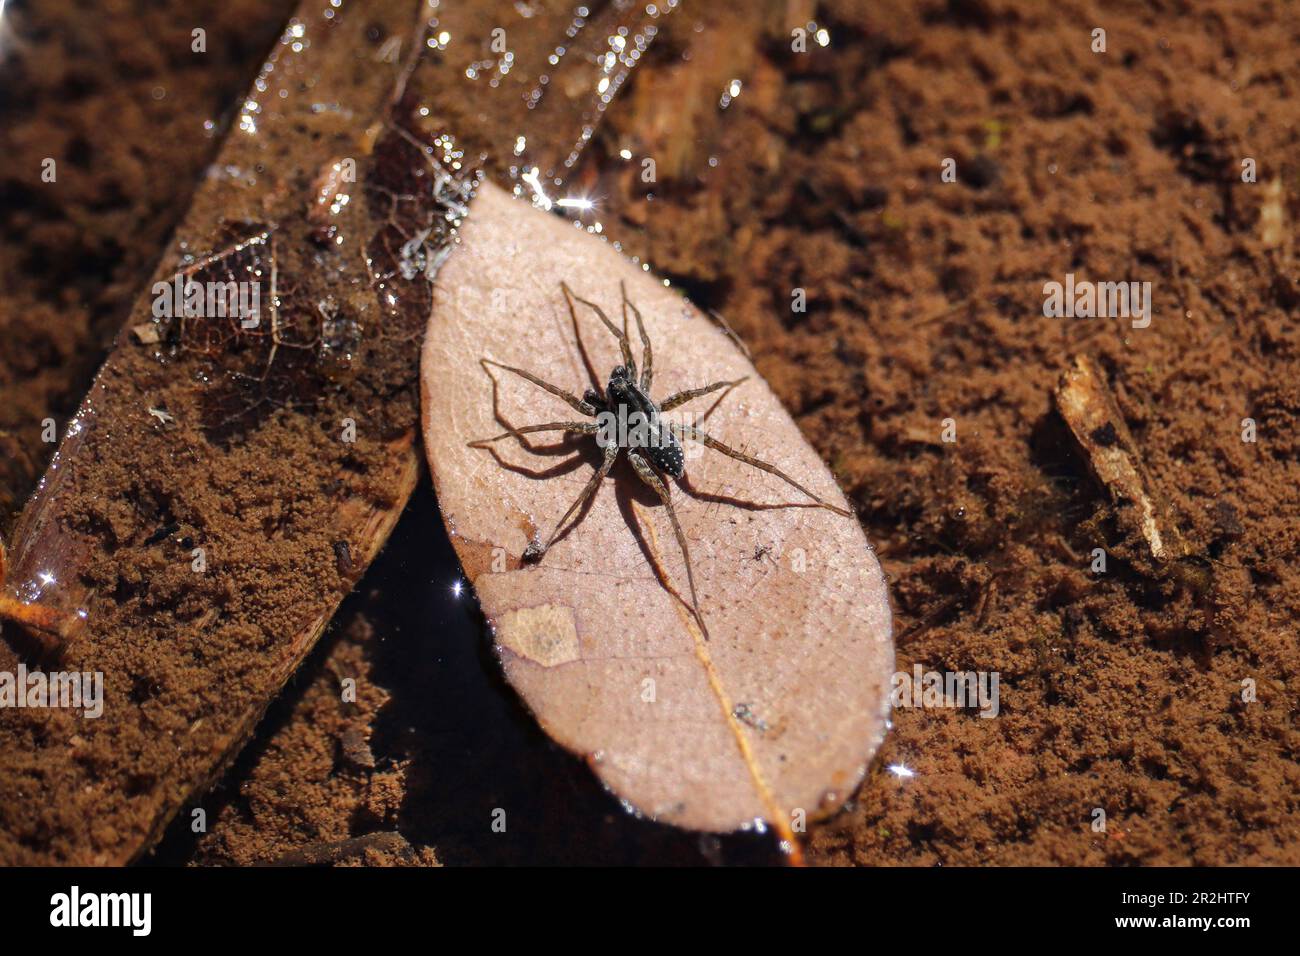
[472, 747]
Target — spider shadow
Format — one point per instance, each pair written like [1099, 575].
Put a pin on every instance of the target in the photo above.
[578, 450]
[566, 467]
[629, 489]
[745, 504]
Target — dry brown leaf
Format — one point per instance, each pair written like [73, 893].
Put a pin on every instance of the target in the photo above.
[782, 708]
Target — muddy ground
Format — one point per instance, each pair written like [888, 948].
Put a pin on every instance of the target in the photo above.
[1120, 691]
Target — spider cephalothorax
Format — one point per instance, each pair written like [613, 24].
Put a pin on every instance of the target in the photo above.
[627, 419]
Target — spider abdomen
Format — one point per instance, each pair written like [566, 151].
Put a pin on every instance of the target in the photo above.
[667, 455]
[640, 426]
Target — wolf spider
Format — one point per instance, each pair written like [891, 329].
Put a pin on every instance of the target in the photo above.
[657, 446]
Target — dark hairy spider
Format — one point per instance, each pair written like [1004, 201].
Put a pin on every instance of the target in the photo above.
[629, 420]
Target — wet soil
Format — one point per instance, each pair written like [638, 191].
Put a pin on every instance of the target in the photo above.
[1119, 691]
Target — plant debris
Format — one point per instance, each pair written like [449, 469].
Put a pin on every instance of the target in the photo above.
[1088, 406]
[598, 638]
[194, 643]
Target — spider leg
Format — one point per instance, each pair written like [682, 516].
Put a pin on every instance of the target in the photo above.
[574, 401]
[686, 395]
[534, 551]
[597, 387]
[647, 474]
[690, 431]
[623, 344]
[577, 428]
[275, 324]
[647, 356]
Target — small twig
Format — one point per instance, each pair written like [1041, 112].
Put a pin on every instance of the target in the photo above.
[929, 619]
[1088, 406]
[331, 853]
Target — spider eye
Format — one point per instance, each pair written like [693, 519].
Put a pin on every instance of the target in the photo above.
[620, 371]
